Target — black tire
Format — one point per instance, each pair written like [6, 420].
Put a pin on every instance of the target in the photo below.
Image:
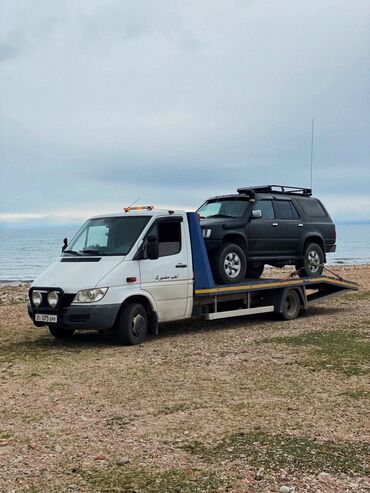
[291, 305]
[255, 271]
[312, 264]
[229, 264]
[60, 333]
[132, 327]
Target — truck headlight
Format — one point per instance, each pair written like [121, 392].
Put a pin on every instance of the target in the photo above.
[207, 233]
[53, 299]
[90, 295]
[36, 298]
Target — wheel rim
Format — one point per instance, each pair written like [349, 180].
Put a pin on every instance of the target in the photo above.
[232, 264]
[313, 259]
[290, 304]
[138, 325]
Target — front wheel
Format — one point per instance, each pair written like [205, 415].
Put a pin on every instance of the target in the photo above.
[60, 333]
[312, 264]
[132, 324]
[229, 264]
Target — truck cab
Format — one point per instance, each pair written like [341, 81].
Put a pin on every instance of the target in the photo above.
[140, 257]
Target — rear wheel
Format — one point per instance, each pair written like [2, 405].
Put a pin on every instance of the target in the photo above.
[312, 264]
[60, 333]
[255, 270]
[132, 324]
[291, 305]
[229, 264]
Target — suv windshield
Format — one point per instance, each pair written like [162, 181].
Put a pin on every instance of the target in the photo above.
[107, 236]
[223, 208]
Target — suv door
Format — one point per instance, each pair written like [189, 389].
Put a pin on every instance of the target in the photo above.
[262, 232]
[167, 277]
[289, 227]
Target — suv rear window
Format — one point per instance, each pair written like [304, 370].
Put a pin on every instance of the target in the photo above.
[285, 209]
[312, 207]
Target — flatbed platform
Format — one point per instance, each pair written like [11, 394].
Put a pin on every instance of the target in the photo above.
[322, 282]
[255, 295]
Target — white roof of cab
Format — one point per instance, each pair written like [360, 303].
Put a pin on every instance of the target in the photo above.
[143, 212]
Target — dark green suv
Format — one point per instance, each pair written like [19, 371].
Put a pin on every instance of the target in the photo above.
[269, 224]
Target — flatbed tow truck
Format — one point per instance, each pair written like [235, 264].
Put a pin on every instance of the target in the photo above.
[163, 275]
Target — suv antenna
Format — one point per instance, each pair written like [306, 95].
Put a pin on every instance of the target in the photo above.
[312, 130]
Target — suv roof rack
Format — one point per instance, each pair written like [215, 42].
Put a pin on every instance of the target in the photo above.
[277, 189]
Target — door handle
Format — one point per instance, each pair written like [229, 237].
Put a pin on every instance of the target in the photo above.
[275, 224]
[300, 225]
[181, 266]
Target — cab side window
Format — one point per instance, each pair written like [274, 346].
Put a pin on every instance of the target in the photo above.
[266, 207]
[285, 209]
[169, 237]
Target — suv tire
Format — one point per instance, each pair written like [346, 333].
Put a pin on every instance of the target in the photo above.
[229, 264]
[312, 264]
[255, 271]
[132, 327]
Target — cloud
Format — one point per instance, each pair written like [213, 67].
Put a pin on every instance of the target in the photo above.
[102, 102]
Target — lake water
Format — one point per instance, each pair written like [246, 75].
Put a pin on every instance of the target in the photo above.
[26, 252]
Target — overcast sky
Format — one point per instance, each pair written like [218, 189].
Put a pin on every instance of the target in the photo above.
[102, 102]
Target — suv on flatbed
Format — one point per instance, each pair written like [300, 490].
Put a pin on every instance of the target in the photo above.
[269, 224]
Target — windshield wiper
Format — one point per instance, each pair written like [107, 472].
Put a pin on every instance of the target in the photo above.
[92, 251]
[72, 252]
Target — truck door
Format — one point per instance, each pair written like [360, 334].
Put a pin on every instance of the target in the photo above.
[262, 231]
[167, 278]
[289, 227]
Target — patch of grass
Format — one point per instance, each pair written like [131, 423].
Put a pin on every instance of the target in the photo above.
[275, 452]
[4, 435]
[345, 352]
[41, 349]
[178, 407]
[118, 422]
[357, 296]
[134, 480]
[357, 394]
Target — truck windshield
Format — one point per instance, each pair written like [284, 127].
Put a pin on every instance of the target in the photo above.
[223, 208]
[107, 236]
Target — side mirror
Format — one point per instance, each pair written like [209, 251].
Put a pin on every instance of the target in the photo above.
[256, 214]
[65, 244]
[152, 248]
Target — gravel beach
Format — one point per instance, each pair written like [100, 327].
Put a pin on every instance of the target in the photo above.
[242, 405]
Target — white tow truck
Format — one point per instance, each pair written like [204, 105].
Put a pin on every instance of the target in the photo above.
[134, 270]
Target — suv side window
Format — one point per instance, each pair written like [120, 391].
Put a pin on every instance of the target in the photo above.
[285, 209]
[266, 207]
[169, 237]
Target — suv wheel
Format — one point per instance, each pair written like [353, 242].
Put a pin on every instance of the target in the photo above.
[229, 264]
[312, 264]
[255, 270]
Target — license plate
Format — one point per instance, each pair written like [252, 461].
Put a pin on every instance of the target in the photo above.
[41, 317]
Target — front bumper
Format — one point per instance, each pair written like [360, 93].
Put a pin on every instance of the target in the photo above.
[95, 317]
[330, 248]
